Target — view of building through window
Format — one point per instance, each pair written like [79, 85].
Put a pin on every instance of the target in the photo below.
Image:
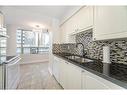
[32, 42]
[3, 45]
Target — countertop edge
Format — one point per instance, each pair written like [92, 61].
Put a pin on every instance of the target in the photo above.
[113, 80]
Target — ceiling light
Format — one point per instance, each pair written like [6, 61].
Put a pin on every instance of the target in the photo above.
[37, 26]
[37, 30]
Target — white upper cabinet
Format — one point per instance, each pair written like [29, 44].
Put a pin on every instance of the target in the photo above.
[63, 34]
[71, 25]
[62, 29]
[110, 22]
[81, 20]
[84, 18]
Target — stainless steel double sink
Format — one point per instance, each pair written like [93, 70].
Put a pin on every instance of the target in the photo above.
[78, 58]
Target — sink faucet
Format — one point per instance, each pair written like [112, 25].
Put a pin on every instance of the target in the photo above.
[84, 53]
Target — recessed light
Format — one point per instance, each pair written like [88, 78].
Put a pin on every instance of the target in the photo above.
[37, 26]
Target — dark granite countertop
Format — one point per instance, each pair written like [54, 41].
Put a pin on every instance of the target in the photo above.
[117, 72]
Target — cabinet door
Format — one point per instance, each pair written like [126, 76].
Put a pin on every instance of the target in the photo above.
[64, 35]
[56, 68]
[83, 80]
[110, 22]
[71, 25]
[90, 81]
[74, 77]
[63, 73]
[85, 17]
[81, 20]
[93, 83]
[70, 76]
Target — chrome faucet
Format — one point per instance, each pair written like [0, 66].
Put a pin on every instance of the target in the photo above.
[84, 53]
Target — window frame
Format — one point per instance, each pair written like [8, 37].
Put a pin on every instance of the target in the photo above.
[38, 44]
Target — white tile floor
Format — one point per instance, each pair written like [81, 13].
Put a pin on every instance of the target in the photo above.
[37, 76]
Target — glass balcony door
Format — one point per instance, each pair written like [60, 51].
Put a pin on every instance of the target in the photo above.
[32, 42]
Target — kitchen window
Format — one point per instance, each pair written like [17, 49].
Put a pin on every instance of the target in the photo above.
[32, 42]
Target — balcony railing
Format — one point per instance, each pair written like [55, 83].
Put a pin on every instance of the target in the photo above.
[32, 50]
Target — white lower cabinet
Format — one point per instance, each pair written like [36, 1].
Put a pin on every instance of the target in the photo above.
[56, 68]
[92, 81]
[71, 76]
[74, 77]
[63, 74]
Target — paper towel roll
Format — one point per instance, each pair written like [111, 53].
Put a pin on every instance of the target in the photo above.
[106, 69]
[106, 54]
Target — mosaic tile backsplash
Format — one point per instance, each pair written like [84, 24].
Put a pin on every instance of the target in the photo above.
[94, 49]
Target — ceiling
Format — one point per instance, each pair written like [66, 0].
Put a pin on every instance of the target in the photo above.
[41, 15]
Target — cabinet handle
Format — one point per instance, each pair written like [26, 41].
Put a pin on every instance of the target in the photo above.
[83, 71]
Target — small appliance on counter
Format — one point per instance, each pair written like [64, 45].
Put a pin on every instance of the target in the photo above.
[106, 60]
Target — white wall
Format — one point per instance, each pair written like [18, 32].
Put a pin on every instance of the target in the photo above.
[69, 14]
[55, 31]
[26, 16]
[11, 41]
